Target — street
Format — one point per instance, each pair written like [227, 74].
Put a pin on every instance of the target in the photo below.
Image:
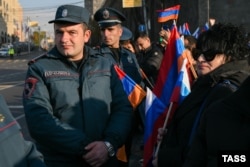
[12, 76]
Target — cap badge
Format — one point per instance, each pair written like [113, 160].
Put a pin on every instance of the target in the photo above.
[105, 14]
[2, 117]
[64, 12]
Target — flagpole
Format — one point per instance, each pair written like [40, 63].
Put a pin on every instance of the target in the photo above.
[208, 10]
[145, 15]
[193, 71]
[164, 127]
[192, 67]
[145, 76]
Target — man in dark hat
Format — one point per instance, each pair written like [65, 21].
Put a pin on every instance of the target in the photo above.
[75, 105]
[126, 34]
[110, 22]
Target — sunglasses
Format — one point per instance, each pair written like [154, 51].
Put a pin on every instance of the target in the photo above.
[209, 55]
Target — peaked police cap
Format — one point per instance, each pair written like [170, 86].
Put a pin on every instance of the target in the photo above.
[72, 14]
[107, 17]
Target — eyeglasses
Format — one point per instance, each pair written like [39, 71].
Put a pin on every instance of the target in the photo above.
[209, 55]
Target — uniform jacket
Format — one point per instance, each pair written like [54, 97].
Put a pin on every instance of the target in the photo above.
[68, 107]
[126, 60]
[150, 63]
[205, 90]
[224, 129]
[14, 149]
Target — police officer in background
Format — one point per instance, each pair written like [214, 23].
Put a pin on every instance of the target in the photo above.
[109, 21]
[75, 105]
[14, 149]
[126, 41]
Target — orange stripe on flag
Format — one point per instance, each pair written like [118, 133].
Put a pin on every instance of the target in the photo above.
[121, 154]
[173, 17]
[136, 96]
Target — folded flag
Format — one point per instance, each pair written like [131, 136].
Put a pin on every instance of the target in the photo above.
[205, 27]
[135, 95]
[171, 88]
[180, 30]
[133, 90]
[170, 67]
[196, 32]
[154, 113]
[182, 86]
[185, 30]
[168, 14]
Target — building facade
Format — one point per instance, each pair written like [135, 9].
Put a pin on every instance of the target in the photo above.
[11, 16]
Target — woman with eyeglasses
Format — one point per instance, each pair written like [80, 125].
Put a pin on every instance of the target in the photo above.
[221, 58]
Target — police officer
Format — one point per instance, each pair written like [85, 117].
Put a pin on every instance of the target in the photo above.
[75, 105]
[14, 149]
[109, 21]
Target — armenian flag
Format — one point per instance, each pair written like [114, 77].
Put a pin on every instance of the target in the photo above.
[168, 14]
[133, 90]
[171, 88]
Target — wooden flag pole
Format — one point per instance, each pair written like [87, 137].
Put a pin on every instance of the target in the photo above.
[192, 66]
[164, 127]
[145, 76]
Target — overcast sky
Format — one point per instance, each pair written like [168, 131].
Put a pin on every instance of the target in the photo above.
[44, 11]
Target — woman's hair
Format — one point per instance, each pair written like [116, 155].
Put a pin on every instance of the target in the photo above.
[225, 38]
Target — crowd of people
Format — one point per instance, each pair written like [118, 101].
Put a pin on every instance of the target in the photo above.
[78, 112]
[222, 66]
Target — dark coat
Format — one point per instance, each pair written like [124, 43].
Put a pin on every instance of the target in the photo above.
[175, 144]
[224, 129]
[67, 107]
[150, 62]
[14, 149]
[125, 59]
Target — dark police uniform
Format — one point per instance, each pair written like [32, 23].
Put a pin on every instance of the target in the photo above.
[73, 118]
[14, 150]
[69, 105]
[107, 17]
[126, 60]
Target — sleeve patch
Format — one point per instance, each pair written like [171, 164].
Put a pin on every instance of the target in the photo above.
[29, 86]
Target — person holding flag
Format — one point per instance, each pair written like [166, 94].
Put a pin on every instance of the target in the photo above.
[222, 66]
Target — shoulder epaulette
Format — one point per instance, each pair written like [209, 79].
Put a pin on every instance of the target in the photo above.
[37, 58]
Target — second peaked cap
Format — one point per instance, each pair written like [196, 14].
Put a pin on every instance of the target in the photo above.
[107, 17]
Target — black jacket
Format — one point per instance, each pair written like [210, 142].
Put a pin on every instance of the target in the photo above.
[175, 144]
[67, 108]
[150, 63]
[125, 59]
[224, 129]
